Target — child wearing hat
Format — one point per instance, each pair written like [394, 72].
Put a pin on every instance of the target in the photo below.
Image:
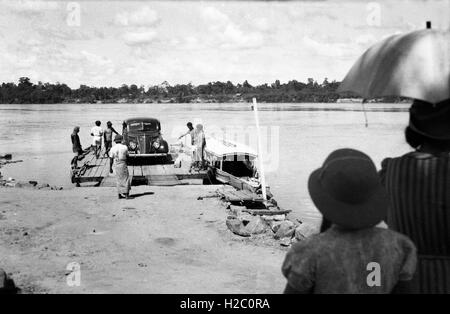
[353, 255]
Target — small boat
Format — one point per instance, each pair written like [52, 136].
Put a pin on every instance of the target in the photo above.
[233, 163]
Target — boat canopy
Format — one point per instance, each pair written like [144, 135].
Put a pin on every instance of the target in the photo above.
[220, 149]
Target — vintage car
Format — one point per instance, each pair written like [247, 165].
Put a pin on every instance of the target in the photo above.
[143, 137]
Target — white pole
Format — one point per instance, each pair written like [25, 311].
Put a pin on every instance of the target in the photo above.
[260, 155]
[364, 110]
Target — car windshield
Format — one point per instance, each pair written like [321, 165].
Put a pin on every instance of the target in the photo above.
[144, 126]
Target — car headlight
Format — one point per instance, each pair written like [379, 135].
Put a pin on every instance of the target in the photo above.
[133, 145]
[156, 144]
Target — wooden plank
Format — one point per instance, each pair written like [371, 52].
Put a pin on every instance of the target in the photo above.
[87, 160]
[93, 173]
[163, 180]
[90, 168]
[146, 170]
[157, 170]
[241, 195]
[130, 170]
[108, 181]
[105, 169]
[100, 165]
[137, 171]
[97, 171]
[236, 183]
[87, 179]
[200, 175]
[180, 171]
[169, 169]
[266, 212]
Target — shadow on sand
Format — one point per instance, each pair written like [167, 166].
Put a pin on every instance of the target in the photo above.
[140, 194]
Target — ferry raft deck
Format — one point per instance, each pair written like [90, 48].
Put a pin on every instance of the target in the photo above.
[153, 172]
[230, 164]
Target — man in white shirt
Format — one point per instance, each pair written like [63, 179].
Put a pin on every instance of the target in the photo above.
[118, 157]
[97, 133]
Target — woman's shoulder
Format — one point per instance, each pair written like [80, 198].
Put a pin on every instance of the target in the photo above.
[414, 156]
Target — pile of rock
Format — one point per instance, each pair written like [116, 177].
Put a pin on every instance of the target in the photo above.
[277, 225]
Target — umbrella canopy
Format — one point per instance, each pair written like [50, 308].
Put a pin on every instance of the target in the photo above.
[414, 65]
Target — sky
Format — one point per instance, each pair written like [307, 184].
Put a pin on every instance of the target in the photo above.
[110, 43]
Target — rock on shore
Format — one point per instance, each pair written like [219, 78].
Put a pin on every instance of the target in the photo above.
[277, 226]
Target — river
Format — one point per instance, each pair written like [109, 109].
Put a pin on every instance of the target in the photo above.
[298, 137]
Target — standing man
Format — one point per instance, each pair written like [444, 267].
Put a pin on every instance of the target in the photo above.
[96, 133]
[76, 147]
[107, 137]
[118, 157]
[190, 131]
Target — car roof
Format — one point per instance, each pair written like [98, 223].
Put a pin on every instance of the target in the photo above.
[141, 119]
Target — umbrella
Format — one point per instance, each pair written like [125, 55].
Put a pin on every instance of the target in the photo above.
[414, 65]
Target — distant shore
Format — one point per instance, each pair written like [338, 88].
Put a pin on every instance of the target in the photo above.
[26, 92]
[211, 99]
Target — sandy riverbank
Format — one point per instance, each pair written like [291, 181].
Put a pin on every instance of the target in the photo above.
[162, 241]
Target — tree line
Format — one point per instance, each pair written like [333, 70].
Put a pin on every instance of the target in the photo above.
[26, 92]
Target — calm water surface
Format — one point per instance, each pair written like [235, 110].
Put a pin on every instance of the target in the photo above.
[300, 137]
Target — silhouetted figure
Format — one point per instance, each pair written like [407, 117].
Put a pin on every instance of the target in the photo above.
[418, 184]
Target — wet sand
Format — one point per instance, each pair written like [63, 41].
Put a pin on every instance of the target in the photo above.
[162, 241]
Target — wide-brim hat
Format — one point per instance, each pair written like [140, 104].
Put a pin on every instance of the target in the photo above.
[347, 190]
[118, 139]
[431, 120]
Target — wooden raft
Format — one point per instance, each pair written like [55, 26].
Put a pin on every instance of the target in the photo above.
[97, 171]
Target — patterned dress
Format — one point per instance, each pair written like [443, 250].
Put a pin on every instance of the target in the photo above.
[418, 185]
[340, 261]
[119, 153]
